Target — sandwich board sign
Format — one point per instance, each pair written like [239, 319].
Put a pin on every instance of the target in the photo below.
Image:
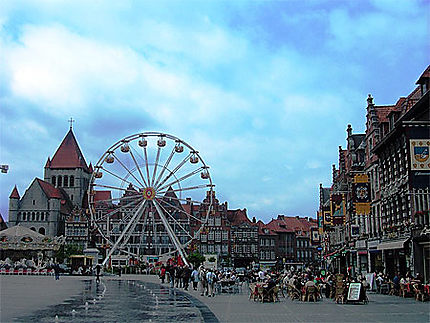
[354, 292]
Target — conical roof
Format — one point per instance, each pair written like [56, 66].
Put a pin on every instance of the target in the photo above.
[14, 194]
[68, 154]
[19, 231]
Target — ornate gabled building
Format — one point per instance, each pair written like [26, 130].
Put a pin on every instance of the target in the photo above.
[47, 203]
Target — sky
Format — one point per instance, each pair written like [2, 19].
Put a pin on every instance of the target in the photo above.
[263, 89]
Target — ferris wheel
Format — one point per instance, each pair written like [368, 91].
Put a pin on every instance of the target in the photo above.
[150, 194]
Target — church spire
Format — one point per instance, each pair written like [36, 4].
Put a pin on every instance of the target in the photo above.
[68, 154]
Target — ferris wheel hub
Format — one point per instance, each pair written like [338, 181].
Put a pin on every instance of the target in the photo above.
[149, 193]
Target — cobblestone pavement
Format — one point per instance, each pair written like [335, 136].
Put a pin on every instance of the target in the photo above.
[23, 295]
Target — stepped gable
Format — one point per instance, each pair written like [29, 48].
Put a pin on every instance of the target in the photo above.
[14, 194]
[68, 154]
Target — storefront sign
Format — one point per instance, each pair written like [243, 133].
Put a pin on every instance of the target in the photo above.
[354, 291]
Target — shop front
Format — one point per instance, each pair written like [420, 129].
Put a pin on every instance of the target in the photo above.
[395, 256]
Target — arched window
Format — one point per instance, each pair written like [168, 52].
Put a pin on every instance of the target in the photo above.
[42, 230]
[72, 181]
[60, 181]
[66, 181]
[33, 228]
[53, 181]
[19, 218]
[33, 217]
[71, 197]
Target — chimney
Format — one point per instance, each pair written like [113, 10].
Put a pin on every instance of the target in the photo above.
[281, 216]
[254, 220]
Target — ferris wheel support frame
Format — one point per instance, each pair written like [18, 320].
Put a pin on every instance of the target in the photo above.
[170, 232]
[124, 232]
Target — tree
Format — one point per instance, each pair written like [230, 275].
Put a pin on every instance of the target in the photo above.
[66, 251]
[196, 259]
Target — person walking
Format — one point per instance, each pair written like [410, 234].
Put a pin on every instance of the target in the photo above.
[195, 278]
[98, 269]
[186, 275]
[202, 280]
[172, 271]
[210, 278]
[57, 271]
[162, 274]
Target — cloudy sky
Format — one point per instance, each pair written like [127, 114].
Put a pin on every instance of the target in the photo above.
[263, 89]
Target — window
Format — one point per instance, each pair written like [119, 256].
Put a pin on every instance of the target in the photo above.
[225, 248]
[37, 216]
[211, 221]
[218, 236]
[71, 197]
[42, 231]
[211, 248]
[225, 235]
[218, 221]
[24, 216]
[204, 237]
[72, 181]
[66, 181]
[33, 217]
[59, 181]
[211, 236]
[34, 202]
[53, 181]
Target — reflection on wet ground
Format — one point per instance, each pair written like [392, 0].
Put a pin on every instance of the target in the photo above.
[126, 301]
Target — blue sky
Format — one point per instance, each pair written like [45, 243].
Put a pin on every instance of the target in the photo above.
[263, 89]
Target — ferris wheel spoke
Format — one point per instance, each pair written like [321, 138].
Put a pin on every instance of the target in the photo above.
[113, 187]
[184, 200]
[125, 167]
[155, 166]
[138, 168]
[160, 201]
[113, 174]
[166, 164]
[174, 170]
[119, 209]
[181, 179]
[125, 231]
[146, 163]
[173, 218]
[187, 188]
[170, 231]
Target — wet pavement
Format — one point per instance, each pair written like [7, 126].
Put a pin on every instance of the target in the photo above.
[125, 301]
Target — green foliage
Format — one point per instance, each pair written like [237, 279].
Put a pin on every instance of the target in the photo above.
[66, 251]
[196, 259]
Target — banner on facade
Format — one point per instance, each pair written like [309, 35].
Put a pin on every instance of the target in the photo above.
[327, 218]
[337, 208]
[361, 194]
[419, 149]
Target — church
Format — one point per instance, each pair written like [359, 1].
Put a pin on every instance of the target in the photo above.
[48, 202]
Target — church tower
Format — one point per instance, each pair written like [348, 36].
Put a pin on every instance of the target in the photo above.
[68, 169]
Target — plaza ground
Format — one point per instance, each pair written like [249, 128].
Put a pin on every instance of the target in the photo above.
[23, 295]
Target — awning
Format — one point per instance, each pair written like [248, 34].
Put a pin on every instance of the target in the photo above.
[396, 244]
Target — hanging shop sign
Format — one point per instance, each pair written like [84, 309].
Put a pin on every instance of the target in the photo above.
[337, 208]
[419, 150]
[361, 194]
